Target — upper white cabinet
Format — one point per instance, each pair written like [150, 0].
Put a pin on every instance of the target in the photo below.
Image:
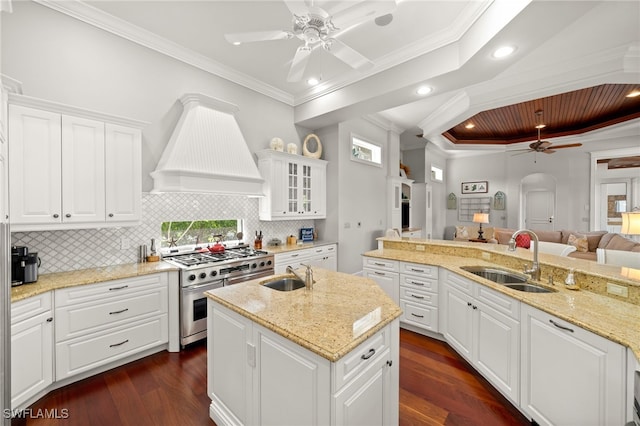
[70, 170]
[399, 203]
[295, 187]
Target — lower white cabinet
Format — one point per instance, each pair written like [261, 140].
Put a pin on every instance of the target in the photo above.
[256, 376]
[101, 323]
[325, 257]
[570, 376]
[31, 348]
[385, 273]
[483, 326]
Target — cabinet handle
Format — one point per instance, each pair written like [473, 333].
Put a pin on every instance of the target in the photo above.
[67, 215]
[417, 316]
[118, 288]
[110, 214]
[49, 319]
[475, 307]
[379, 264]
[416, 283]
[295, 255]
[119, 312]
[380, 273]
[389, 363]
[369, 354]
[560, 326]
[56, 215]
[468, 303]
[416, 270]
[417, 297]
[118, 344]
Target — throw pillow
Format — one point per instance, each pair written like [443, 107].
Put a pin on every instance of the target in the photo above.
[462, 232]
[523, 240]
[579, 242]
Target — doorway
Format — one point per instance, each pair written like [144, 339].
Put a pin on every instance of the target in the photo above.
[538, 202]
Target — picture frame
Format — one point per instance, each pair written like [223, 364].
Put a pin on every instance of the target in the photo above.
[478, 187]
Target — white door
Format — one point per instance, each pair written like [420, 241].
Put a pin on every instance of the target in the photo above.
[540, 209]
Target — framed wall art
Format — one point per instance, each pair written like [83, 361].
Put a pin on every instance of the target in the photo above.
[475, 187]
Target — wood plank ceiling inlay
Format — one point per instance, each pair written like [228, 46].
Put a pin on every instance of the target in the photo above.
[565, 114]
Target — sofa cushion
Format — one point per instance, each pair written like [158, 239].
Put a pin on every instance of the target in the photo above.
[618, 242]
[550, 236]
[593, 238]
[586, 255]
[579, 242]
[503, 235]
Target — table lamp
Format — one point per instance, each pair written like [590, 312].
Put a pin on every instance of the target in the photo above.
[480, 218]
[630, 223]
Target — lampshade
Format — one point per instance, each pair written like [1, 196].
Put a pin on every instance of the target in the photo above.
[630, 223]
[481, 217]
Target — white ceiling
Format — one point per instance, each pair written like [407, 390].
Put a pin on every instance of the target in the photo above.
[447, 44]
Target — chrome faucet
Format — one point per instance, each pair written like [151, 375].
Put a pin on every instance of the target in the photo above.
[534, 272]
[308, 276]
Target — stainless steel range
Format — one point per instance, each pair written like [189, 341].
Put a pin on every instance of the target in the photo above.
[203, 271]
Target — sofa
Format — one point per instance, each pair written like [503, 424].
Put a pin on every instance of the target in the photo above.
[586, 243]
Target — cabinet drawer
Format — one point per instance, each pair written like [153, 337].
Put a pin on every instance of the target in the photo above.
[360, 358]
[29, 308]
[377, 263]
[83, 354]
[292, 256]
[418, 297]
[78, 319]
[423, 316]
[419, 283]
[498, 301]
[115, 288]
[427, 271]
[316, 251]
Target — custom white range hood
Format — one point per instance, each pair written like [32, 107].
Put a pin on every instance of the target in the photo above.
[207, 152]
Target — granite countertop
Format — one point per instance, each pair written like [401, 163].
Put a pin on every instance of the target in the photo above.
[284, 248]
[52, 281]
[332, 319]
[610, 318]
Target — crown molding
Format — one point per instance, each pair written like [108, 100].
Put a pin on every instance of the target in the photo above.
[104, 21]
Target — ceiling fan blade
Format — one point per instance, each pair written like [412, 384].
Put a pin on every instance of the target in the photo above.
[235, 38]
[354, 13]
[549, 151]
[347, 55]
[299, 64]
[297, 7]
[569, 145]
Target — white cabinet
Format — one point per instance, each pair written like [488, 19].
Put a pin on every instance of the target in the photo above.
[70, 171]
[31, 348]
[295, 187]
[483, 326]
[385, 273]
[570, 376]
[325, 256]
[399, 196]
[419, 295]
[101, 323]
[258, 377]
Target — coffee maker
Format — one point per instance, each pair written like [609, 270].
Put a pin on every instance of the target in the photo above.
[24, 266]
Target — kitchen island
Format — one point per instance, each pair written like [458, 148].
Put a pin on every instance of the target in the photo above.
[323, 356]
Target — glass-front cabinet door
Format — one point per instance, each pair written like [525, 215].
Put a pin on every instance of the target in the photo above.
[292, 182]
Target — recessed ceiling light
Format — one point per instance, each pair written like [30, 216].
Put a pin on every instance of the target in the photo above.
[503, 51]
[236, 43]
[540, 126]
[424, 90]
[469, 126]
[634, 93]
[312, 81]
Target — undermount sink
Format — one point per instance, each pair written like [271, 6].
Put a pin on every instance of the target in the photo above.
[509, 279]
[497, 275]
[285, 284]
[530, 288]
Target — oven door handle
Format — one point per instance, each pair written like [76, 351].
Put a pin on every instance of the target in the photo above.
[196, 287]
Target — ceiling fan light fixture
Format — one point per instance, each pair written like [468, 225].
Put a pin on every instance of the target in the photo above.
[424, 90]
[503, 52]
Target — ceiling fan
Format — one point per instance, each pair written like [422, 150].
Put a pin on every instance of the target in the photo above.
[316, 27]
[544, 146]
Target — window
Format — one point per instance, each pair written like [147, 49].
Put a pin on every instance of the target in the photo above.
[365, 152]
[200, 232]
[437, 175]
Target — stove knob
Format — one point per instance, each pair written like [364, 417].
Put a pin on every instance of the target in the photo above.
[203, 276]
[192, 277]
[269, 262]
[254, 265]
[261, 264]
[214, 273]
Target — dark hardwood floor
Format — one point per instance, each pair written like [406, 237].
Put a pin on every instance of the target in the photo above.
[437, 387]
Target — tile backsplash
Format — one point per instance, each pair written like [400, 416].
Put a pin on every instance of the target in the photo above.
[88, 248]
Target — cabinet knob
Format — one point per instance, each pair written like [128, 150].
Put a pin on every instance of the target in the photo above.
[49, 319]
[56, 215]
[110, 214]
[67, 215]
